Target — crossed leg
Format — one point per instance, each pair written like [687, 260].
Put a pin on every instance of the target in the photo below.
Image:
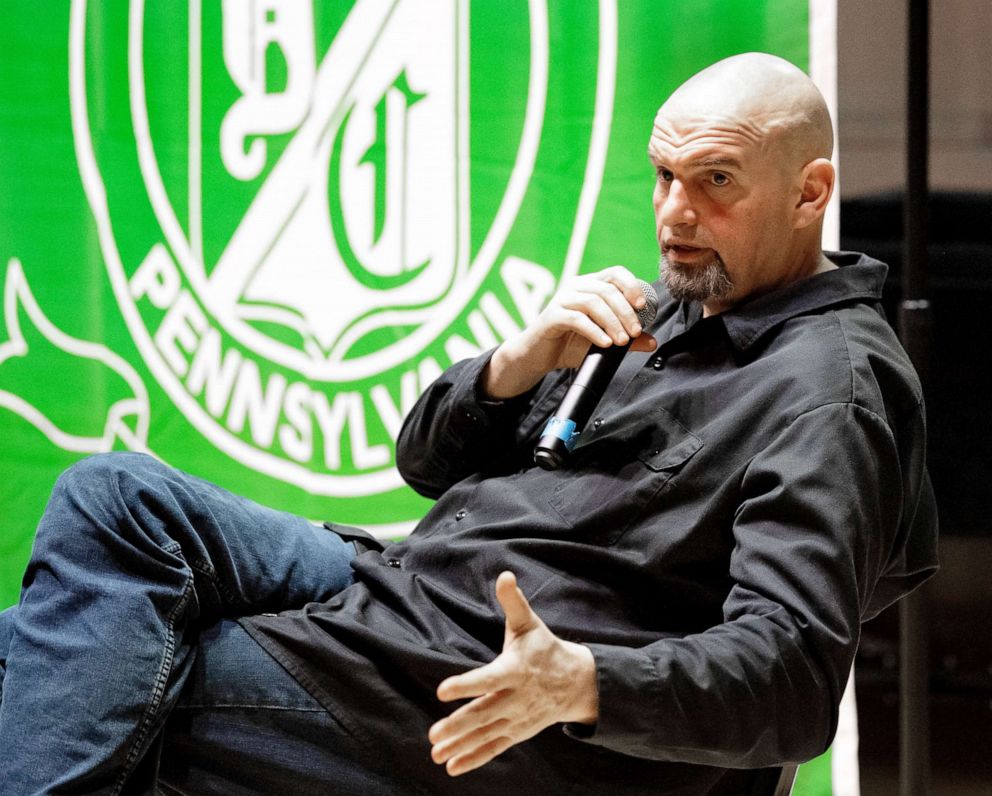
[132, 564]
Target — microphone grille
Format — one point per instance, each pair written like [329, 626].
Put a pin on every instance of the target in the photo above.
[646, 314]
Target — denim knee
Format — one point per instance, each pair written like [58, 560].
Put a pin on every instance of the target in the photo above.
[106, 469]
[88, 496]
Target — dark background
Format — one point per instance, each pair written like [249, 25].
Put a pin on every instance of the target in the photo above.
[960, 460]
[871, 120]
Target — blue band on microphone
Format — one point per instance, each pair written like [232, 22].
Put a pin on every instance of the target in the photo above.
[564, 430]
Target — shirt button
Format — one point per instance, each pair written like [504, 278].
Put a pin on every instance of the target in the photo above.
[393, 562]
[658, 363]
[597, 422]
[460, 515]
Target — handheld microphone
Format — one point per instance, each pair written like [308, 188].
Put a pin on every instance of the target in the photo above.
[599, 366]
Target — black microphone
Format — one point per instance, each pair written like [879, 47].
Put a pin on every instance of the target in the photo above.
[599, 366]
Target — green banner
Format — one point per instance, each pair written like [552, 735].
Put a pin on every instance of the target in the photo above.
[245, 236]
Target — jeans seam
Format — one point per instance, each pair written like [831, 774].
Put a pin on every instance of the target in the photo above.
[207, 569]
[158, 688]
[251, 705]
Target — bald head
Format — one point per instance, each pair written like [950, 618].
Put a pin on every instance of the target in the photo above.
[741, 151]
[779, 101]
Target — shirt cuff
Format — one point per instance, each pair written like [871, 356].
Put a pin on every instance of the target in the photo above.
[629, 689]
[474, 401]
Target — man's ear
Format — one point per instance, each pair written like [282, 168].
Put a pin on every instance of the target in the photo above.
[817, 184]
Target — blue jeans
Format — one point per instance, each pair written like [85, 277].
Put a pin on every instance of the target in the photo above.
[122, 643]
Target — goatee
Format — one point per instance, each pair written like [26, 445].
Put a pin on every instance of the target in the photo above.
[701, 281]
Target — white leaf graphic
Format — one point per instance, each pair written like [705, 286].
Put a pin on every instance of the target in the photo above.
[125, 419]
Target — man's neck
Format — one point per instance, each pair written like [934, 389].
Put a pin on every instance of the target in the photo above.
[825, 264]
[822, 265]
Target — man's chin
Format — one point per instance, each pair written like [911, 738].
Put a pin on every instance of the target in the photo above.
[701, 279]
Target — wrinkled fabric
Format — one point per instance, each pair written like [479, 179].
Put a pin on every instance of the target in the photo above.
[744, 498]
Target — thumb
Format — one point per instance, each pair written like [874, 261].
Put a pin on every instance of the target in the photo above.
[519, 616]
[643, 342]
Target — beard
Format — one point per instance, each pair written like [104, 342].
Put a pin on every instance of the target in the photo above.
[700, 281]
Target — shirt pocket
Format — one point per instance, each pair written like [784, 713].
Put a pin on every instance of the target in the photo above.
[611, 480]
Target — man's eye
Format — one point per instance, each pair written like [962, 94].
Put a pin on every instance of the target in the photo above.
[664, 175]
[719, 178]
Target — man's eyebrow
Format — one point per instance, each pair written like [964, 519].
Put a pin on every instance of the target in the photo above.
[710, 162]
[706, 162]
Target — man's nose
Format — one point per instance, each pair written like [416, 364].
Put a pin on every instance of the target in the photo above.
[677, 208]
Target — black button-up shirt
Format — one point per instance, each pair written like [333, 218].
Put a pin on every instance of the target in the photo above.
[744, 498]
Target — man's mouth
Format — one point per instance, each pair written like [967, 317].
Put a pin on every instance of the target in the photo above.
[683, 253]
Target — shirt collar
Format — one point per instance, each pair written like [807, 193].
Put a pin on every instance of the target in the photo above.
[858, 277]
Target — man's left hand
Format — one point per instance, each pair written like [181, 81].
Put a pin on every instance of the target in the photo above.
[538, 680]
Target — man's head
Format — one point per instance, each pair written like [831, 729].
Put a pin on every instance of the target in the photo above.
[742, 155]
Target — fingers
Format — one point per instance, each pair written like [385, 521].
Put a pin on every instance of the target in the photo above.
[607, 309]
[519, 616]
[477, 732]
[485, 711]
[626, 283]
[474, 734]
[602, 307]
[486, 679]
[528, 687]
[472, 753]
[498, 674]
[581, 322]
[613, 318]
[644, 343]
[598, 309]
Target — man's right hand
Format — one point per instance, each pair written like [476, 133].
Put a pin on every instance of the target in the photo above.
[592, 309]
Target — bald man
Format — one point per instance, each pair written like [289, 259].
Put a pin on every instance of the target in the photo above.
[675, 611]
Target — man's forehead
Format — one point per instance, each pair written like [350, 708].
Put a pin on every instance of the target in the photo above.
[710, 140]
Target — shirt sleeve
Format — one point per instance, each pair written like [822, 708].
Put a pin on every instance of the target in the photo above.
[452, 432]
[819, 514]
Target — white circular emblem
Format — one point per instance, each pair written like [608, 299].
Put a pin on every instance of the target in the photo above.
[305, 217]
